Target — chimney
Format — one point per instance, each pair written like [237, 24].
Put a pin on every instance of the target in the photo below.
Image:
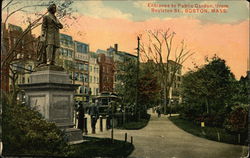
[116, 47]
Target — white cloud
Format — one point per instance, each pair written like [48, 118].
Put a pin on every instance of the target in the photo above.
[98, 10]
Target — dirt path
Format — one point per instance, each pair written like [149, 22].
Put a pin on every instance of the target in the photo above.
[162, 139]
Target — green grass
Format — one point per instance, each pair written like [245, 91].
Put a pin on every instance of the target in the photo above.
[135, 125]
[210, 133]
[101, 147]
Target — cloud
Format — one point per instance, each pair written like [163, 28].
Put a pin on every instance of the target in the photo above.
[98, 10]
[142, 4]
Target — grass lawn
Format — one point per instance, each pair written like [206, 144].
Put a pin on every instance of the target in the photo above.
[101, 147]
[135, 125]
[212, 133]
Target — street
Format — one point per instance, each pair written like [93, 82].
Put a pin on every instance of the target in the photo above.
[162, 139]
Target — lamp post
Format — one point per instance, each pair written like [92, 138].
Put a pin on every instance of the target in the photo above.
[137, 77]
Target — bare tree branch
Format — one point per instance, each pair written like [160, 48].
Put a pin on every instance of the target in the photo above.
[7, 4]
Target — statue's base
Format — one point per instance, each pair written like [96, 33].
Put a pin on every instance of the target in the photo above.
[52, 94]
[42, 67]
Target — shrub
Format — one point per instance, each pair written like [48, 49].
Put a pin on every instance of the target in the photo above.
[237, 120]
[26, 132]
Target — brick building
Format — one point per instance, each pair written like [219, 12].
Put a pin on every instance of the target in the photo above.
[23, 57]
[106, 65]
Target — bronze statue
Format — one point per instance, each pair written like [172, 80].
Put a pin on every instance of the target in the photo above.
[49, 41]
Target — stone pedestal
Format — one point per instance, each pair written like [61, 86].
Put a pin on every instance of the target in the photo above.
[52, 94]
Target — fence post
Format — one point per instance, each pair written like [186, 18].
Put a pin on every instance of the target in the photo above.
[107, 122]
[85, 126]
[131, 139]
[101, 129]
[126, 136]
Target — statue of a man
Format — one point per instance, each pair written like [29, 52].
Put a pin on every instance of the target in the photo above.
[50, 34]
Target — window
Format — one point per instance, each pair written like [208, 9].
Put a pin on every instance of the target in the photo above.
[65, 52]
[86, 67]
[90, 90]
[94, 79]
[97, 91]
[104, 69]
[81, 66]
[76, 75]
[82, 48]
[90, 79]
[81, 89]
[86, 78]
[90, 68]
[70, 53]
[81, 77]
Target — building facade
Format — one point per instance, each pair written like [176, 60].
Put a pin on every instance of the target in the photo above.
[65, 55]
[174, 93]
[93, 74]
[106, 77]
[81, 74]
[21, 59]
[118, 57]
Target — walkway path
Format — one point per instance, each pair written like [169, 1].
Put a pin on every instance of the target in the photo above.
[162, 139]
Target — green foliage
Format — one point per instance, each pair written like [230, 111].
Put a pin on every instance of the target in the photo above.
[237, 120]
[148, 85]
[135, 125]
[149, 88]
[242, 91]
[25, 132]
[207, 132]
[210, 94]
[126, 76]
[209, 89]
[101, 147]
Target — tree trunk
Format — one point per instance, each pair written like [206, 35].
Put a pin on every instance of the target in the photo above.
[165, 99]
[207, 105]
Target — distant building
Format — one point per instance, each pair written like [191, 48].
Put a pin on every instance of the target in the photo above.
[21, 59]
[81, 61]
[174, 93]
[173, 67]
[106, 76]
[118, 57]
[93, 74]
[65, 55]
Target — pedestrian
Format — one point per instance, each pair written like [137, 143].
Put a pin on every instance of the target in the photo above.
[158, 112]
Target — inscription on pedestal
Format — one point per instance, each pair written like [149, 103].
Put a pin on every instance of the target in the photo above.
[61, 107]
[38, 102]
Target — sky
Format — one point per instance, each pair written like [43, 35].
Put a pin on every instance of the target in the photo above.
[101, 24]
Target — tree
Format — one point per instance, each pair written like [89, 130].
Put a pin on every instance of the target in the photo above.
[126, 87]
[148, 88]
[242, 90]
[158, 46]
[208, 90]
